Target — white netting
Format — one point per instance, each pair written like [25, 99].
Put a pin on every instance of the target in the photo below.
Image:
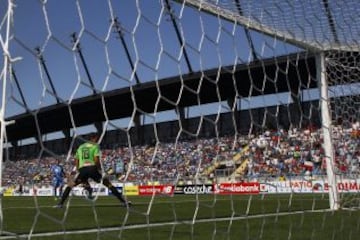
[318, 24]
[233, 119]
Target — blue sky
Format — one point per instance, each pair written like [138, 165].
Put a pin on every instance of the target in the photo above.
[149, 35]
[152, 42]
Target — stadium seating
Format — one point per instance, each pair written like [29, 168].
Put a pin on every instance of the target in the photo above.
[291, 153]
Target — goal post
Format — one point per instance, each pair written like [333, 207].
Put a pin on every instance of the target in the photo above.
[334, 200]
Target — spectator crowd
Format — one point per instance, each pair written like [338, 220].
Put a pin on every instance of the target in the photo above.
[281, 153]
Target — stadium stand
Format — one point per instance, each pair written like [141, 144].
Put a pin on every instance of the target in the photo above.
[290, 153]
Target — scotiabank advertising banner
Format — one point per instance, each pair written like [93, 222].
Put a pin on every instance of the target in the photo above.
[156, 189]
[238, 188]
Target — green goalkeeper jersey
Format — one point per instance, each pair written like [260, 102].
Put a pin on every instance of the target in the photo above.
[86, 154]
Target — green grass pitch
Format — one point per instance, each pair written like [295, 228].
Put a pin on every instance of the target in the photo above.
[201, 217]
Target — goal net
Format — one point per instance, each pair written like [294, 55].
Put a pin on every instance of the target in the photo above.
[218, 119]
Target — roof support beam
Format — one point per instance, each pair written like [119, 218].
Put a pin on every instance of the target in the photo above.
[120, 32]
[78, 49]
[178, 34]
[42, 62]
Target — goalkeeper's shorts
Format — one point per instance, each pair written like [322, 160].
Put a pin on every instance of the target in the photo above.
[88, 172]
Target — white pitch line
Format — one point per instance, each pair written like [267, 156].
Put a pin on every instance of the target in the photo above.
[140, 226]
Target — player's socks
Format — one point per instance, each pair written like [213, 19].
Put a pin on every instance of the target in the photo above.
[118, 195]
[65, 195]
[90, 191]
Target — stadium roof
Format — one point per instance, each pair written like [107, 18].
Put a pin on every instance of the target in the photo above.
[192, 37]
[228, 83]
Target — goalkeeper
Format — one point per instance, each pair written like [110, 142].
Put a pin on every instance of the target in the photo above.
[87, 162]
